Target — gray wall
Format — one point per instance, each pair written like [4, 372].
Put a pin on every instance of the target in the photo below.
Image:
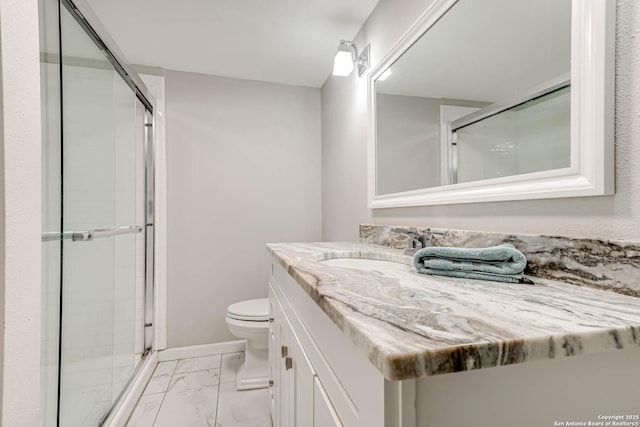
[243, 169]
[344, 130]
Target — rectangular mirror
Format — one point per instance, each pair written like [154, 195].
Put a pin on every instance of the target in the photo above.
[487, 100]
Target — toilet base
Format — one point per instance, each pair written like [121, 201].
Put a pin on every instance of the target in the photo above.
[249, 383]
[254, 372]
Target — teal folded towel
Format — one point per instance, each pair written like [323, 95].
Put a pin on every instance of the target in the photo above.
[503, 263]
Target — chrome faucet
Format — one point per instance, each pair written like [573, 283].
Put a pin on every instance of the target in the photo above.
[430, 234]
[416, 240]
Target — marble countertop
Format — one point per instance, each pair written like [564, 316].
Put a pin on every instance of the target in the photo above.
[412, 325]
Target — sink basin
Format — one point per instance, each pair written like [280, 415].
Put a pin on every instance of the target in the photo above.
[367, 264]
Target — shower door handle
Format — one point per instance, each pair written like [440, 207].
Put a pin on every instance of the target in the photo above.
[114, 231]
[89, 235]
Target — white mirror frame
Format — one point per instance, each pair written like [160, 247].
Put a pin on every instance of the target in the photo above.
[592, 120]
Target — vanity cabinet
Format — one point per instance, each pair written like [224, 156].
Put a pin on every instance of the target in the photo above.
[297, 395]
[318, 379]
[322, 377]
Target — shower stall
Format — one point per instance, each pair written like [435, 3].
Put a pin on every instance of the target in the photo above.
[97, 221]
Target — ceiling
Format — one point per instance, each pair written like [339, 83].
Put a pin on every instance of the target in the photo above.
[281, 41]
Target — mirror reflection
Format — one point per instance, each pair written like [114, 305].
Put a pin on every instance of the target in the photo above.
[484, 93]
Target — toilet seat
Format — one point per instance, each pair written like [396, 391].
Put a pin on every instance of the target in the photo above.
[254, 310]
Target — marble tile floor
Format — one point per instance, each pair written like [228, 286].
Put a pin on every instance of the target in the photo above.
[200, 391]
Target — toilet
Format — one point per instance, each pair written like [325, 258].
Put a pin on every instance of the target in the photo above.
[249, 320]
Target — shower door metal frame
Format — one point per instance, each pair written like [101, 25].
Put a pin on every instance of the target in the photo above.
[122, 68]
[137, 86]
[149, 289]
[141, 93]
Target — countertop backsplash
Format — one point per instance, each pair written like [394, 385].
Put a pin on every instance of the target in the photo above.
[611, 265]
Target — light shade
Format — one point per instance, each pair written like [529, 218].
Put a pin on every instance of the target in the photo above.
[343, 62]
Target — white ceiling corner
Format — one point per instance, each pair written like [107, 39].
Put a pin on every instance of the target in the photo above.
[282, 41]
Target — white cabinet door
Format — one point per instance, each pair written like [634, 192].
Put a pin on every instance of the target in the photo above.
[291, 372]
[323, 413]
[303, 377]
[273, 345]
[280, 362]
[286, 409]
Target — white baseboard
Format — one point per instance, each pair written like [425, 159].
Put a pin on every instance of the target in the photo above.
[121, 414]
[201, 350]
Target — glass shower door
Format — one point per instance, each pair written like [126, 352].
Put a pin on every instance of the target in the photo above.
[103, 223]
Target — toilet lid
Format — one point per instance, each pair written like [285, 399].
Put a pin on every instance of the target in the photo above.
[254, 309]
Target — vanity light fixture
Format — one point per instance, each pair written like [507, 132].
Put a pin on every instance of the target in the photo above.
[343, 61]
[345, 58]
